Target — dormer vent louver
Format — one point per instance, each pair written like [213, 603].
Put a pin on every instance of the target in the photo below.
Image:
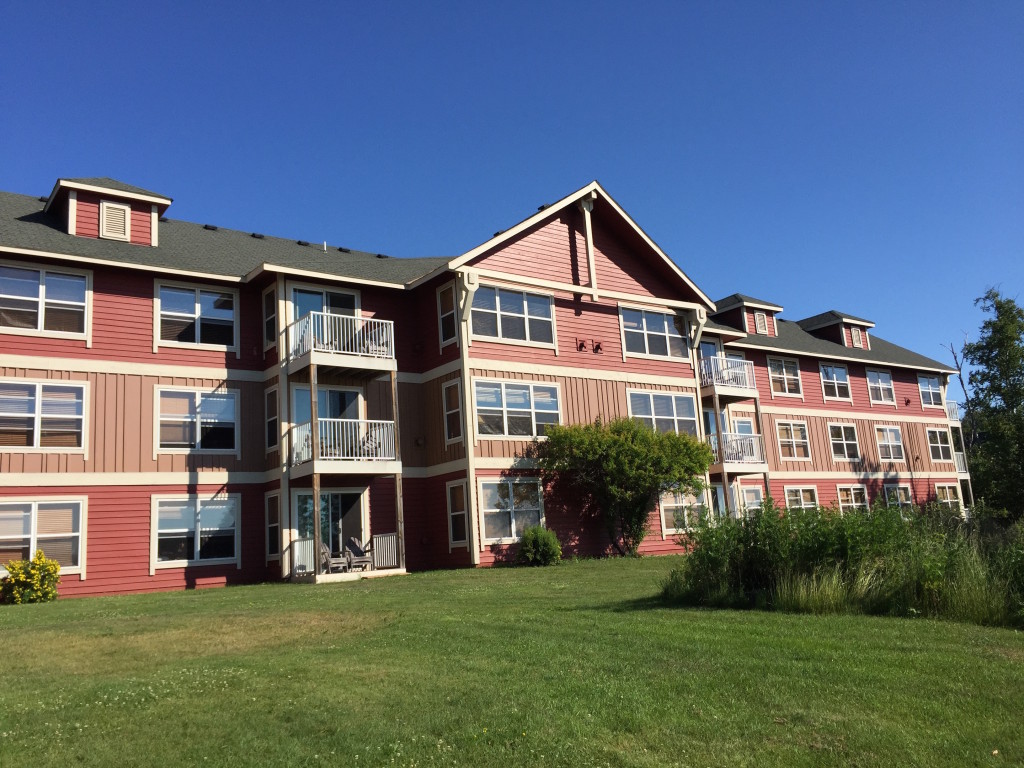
[257, 235]
[210, 227]
[342, 249]
[302, 242]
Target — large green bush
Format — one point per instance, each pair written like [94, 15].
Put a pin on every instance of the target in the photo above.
[539, 546]
[31, 581]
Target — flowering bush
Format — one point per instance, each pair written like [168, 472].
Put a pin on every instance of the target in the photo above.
[31, 581]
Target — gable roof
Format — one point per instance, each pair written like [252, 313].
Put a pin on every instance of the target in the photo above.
[831, 317]
[547, 211]
[188, 248]
[741, 300]
[101, 184]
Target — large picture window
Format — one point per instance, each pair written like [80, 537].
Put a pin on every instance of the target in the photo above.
[880, 387]
[784, 376]
[198, 421]
[512, 315]
[653, 333]
[665, 412]
[515, 409]
[42, 301]
[197, 316]
[38, 415]
[793, 440]
[509, 507]
[196, 531]
[53, 526]
[890, 443]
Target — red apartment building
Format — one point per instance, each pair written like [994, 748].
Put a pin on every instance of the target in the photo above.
[180, 403]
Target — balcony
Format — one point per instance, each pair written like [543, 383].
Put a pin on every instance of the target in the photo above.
[384, 551]
[737, 453]
[952, 410]
[961, 463]
[342, 341]
[728, 376]
[346, 446]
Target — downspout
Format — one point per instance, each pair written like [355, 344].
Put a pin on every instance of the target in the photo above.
[586, 205]
[467, 282]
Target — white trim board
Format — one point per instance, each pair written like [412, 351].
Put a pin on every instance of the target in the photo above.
[887, 417]
[114, 479]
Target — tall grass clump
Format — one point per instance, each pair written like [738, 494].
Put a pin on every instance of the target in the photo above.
[881, 561]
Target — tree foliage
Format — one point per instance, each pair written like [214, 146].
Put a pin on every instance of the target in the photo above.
[620, 469]
[994, 412]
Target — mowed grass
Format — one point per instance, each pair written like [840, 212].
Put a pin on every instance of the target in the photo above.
[572, 665]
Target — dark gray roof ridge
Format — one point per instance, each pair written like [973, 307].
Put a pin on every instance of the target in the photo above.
[119, 186]
[831, 317]
[739, 299]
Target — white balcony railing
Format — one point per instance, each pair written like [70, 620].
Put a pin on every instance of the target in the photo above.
[345, 440]
[385, 550]
[342, 335]
[961, 462]
[737, 448]
[725, 372]
[952, 410]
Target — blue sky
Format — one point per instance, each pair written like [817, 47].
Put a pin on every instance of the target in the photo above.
[867, 157]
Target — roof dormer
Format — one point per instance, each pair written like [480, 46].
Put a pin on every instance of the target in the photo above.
[753, 316]
[108, 209]
[839, 327]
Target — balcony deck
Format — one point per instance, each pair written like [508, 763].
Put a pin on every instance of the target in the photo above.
[341, 341]
[728, 378]
[346, 446]
[738, 454]
[953, 410]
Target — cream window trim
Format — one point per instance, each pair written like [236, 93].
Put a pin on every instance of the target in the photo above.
[198, 289]
[83, 516]
[198, 391]
[198, 500]
[37, 416]
[40, 329]
[513, 539]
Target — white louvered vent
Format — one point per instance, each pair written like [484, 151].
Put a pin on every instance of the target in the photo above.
[115, 221]
[856, 337]
[761, 323]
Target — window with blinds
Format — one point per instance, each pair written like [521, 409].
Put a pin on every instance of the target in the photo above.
[53, 526]
[42, 301]
[34, 415]
[198, 421]
[197, 316]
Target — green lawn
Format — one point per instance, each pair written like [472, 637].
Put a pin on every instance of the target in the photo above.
[572, 665]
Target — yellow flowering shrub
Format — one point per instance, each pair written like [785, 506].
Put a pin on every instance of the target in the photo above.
[31, 581]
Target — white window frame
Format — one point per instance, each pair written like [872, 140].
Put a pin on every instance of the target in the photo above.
[482, 481]
[932, 446]
[452, 543]
[104, 230]
[198, 500]
[922, 379]
[778, 436]
[292, 286]
[891, 388]
[280, 526]
[364, 503]
[445, 413]
[844, 442]
[40, 329]
[686, 505]
[786, 377]
[276, 419]
[505, 410]
[853, 504]
[761, 323]
[800, 489]
[887, 442]
[441, 314]
[836, 382]
[737, 420]
[272, 292]
[198, 391]
[83, 516]
[891, 490]
[197, 288]
[650, 395]
[747, 504]
[37, 416]
[856, 337]
[670, 318]
[956, 492]
[499, 339]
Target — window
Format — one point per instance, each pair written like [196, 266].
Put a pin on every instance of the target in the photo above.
[458, 519]
[784, 376]
[269, 318]
[753, 498]
[45, 416]
[514, 409]
[273, 429]
[852, 497]
[43, 301]
[451, 393]
[947, 494]
[890, 443]
[198, 421]
[54, 526]
[880, 387]
[195, 531]
[512, 315]
[197, 316]
[446, 309]
[931, 390]
[761, 323]
[665, 413]
[273, 502]
[835, 382]
[678, 512]
[793, 440]
[801, 498]
[115, 221]
[856, 337]
[509, 507]
[844, 442]
[939, 445]
[715, 494]
[898, 496]
[653, 333]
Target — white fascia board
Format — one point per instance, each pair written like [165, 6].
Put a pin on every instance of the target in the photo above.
[65, 184]
[827, 356]
[118, 264]
[267, 267]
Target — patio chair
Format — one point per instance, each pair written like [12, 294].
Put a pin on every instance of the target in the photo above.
[332, 564]
[360, 554]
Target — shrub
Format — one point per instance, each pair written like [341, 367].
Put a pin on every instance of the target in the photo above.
[31, 581]
[539, 546]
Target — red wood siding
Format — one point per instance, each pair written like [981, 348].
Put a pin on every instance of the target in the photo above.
[923, 490]
[426, 524]
[87, 217]
[751, 322]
